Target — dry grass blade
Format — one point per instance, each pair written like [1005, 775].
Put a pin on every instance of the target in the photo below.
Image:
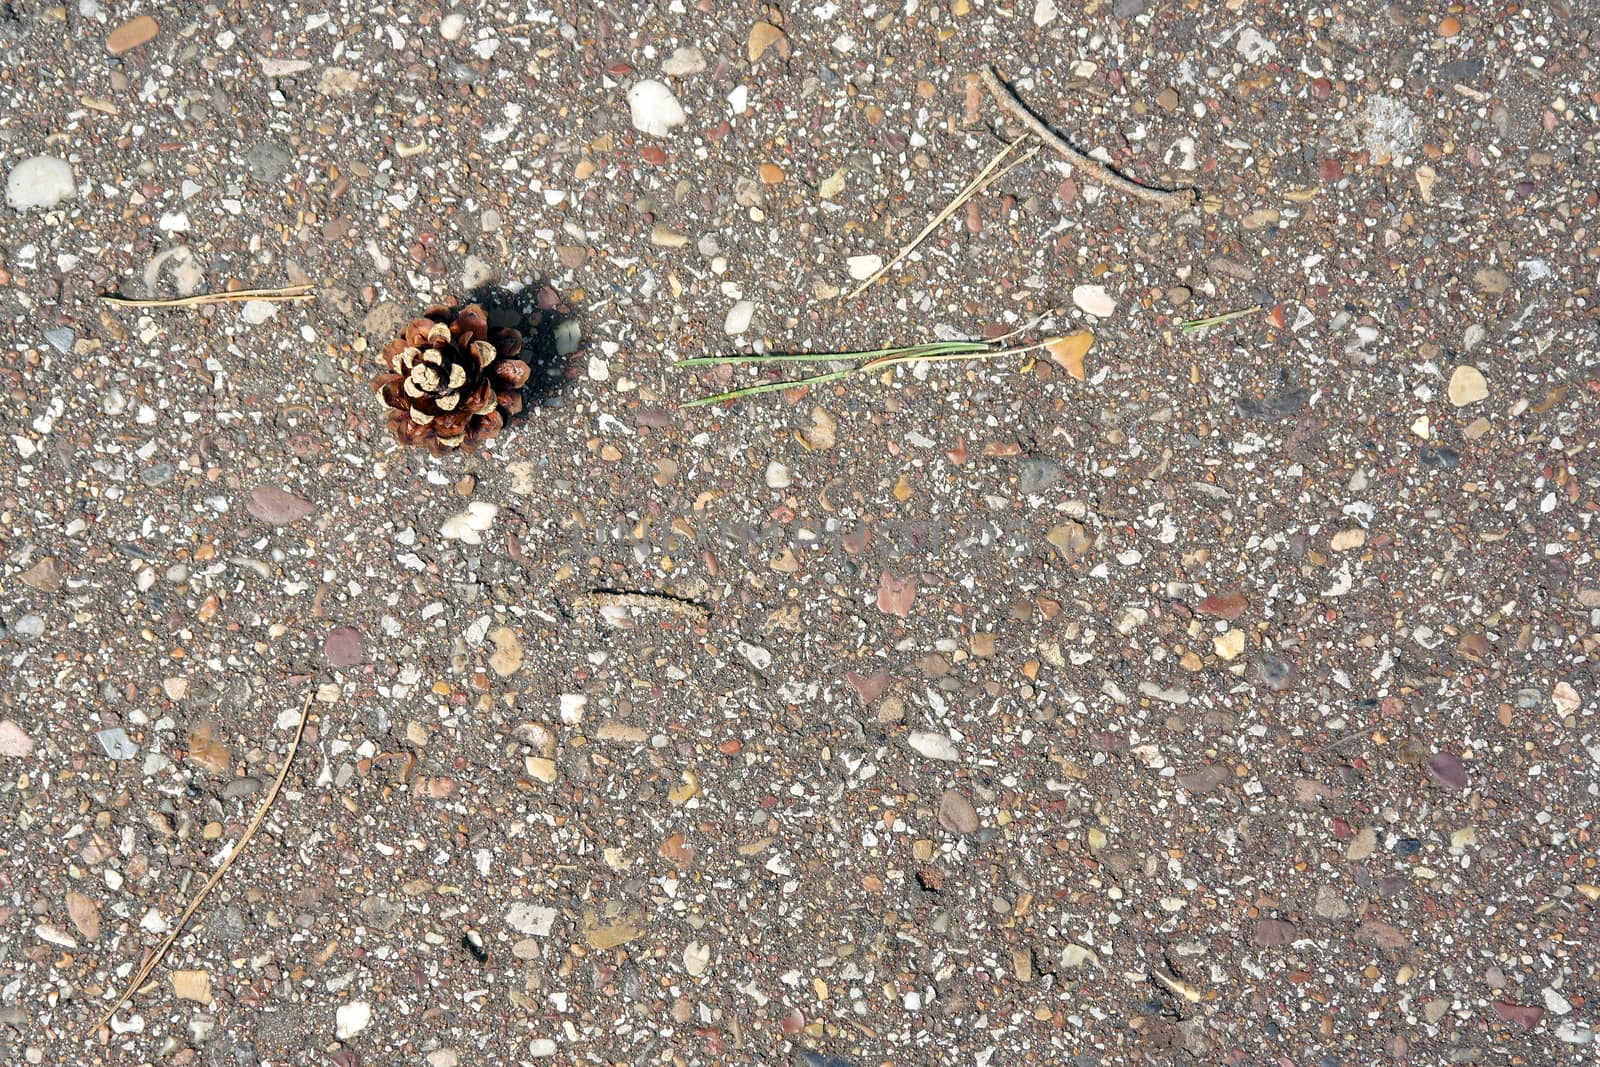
[288, 292]
[152, 961]
[1171, 199]
[968, 191]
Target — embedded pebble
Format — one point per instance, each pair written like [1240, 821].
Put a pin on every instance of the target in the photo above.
[956, 812]
[1467, 386]
[136, 31]
[39, 182]
[268, 161]
[777, 476]
[469, 526]
[352, 1018]
[277, 506]
[684, 61]
[14, 741]
[344, 647]
[864, 267]
[61, 339]
[933, 745]
[738, 318]
[116, 743]
[255, 312]
[653, 109]
[1094, 300]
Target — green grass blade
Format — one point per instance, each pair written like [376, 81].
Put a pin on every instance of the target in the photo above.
[769, 387]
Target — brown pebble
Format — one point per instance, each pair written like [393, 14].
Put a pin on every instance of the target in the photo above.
[1449, 26]
[132, 34]
[956, 813]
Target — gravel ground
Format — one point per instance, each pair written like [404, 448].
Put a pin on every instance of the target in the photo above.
[1229, 698]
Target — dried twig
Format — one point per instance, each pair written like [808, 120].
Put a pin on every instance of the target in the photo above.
[154, 959]
[605, 598]
[984, 176]
[289, 292]
[1171, 199]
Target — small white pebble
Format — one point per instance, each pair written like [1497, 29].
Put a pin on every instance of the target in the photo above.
[352, 1018]
[467, 526]
[933, 745]
[451, 25]
[777, 476]
[738, 320]
[864, 267]
[1094, 300]
[258, 311]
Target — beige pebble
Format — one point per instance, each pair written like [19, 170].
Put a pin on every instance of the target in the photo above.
[1345, 540]
[1467, 386]
[132, 34]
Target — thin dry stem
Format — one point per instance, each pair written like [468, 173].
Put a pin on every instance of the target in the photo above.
[153, 961]
[1171, 199]
[968, 191]
[288, 292]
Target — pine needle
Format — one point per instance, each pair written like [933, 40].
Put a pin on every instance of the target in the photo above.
[152, 961]
[289, 292]
[967, 192]
[1194, 325]
[863, 362]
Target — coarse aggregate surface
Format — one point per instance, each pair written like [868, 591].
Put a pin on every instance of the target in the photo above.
[1216, 696]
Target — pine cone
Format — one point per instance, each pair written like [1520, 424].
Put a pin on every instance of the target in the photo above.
[452, 382]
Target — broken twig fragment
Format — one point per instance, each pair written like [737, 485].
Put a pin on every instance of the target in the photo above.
[1171, 199]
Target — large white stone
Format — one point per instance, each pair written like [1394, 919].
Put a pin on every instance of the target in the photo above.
[653, 108]
[39, 181]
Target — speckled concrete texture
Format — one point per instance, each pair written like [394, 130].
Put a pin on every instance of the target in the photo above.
[1216, 695]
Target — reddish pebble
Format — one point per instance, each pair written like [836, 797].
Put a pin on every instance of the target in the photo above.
[1331, 170]
[974, 219]
[730, 746]
[1321, 88]
[718, 132]
[1228, 606]
[653, 154]
[345, 647]
[620, 70]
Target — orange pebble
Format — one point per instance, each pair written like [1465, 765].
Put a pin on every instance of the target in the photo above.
[1449, 26]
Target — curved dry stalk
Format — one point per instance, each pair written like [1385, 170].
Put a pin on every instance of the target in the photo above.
[152, 961]
[1171, 199]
